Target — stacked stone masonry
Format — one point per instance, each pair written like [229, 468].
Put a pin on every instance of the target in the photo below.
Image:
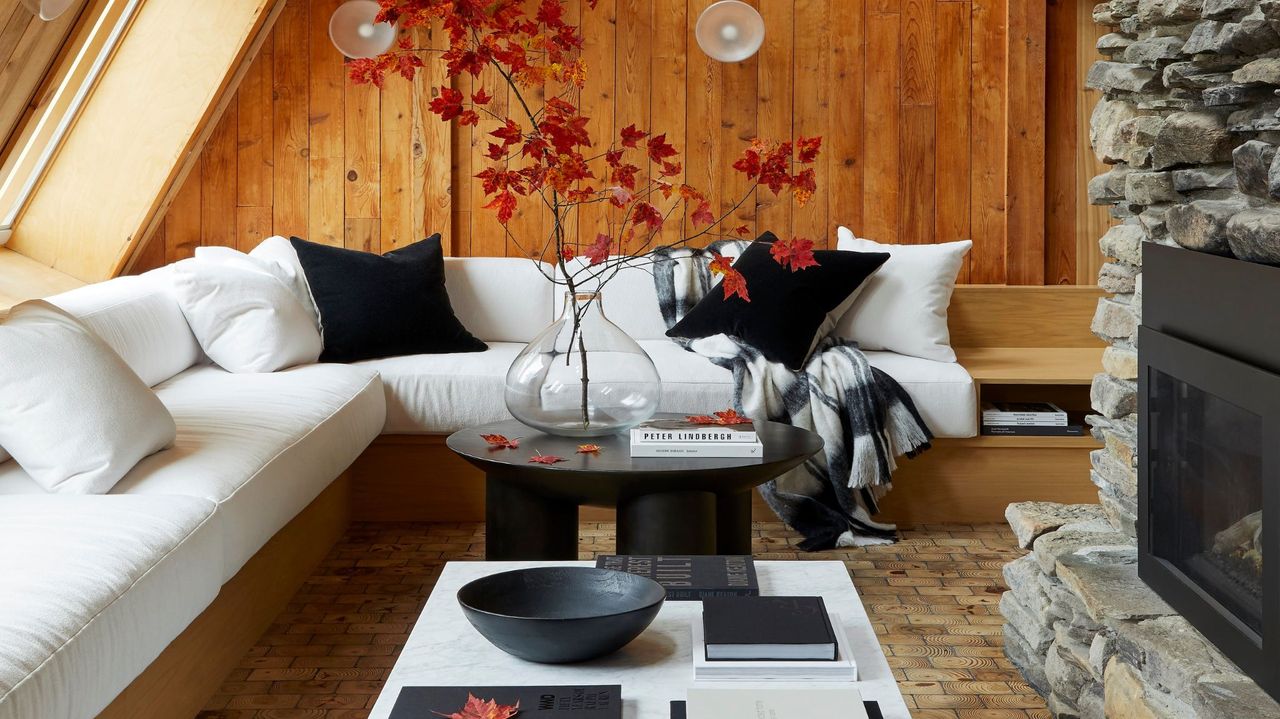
[1189, 124]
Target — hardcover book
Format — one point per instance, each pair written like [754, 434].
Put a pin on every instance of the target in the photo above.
[767, 628]
[1068, 430]
[680, 430]
[750, 703]
[691, 578]
[1020, 413]
[562, 702]
[844, 669]
[679, 710]
[697, 449]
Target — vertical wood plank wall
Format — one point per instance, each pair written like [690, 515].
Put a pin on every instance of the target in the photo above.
[925, 105]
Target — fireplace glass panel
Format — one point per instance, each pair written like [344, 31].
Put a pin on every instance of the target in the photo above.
[1206, 499]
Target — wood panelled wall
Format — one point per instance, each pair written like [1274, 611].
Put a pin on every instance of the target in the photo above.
[933, 114]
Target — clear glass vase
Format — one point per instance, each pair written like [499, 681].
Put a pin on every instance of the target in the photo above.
[583, 379]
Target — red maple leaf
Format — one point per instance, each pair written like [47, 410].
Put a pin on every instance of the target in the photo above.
[495, 151]
[448, 104]
[724, 417]
[631, 136]
[510, 133]
[480, 97]
[544, 459]
[703, 215]
[567, 253]
[588, 449]
[477, 709]
[647, 214]
[599, 250]
[749, 163]
[498, 441]
[803, 186]
[807, 149]
[505, 204]
[742, 230]
[734, 283]
[620, 196]
[671, 169]
[660, 149]
[796, 253]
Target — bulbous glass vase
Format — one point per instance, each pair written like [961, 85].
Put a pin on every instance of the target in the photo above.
[583, 379]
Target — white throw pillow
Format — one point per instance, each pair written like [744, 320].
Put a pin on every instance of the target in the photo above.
[72, 413]
[285, 264]
[244, 316]
[903, 307]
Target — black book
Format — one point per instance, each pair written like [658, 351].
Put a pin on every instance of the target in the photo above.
[873, 710]
[569, 702]
[1011, 430]
[767, 629]
[691, 578]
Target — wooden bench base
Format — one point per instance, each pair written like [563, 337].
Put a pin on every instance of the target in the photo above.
[417, 479]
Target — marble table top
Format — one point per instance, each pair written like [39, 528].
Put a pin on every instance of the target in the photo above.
[656, 668]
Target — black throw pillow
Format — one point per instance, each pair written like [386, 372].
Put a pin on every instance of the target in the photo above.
[383, 305]
[789, 312]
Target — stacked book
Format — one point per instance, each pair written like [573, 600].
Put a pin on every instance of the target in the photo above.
[691, 578]
[1028, 419]
[723, 703]
[559, 702]
[682, 438]
[767, 639]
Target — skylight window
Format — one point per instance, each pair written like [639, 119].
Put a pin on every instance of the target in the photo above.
[43, 133]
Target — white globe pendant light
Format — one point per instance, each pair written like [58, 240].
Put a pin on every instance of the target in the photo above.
[730, 31]
[354, 31]
[48, 9]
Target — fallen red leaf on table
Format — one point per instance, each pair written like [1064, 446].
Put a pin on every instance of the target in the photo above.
[477, 709]
[545, 459]
[497, 441]
[723, 417]
[588, 449]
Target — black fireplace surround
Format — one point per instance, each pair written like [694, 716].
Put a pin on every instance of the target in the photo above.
[1209, 449]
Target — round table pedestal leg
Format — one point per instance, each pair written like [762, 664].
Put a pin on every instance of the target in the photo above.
[733, 523]
[668, 523]
[523, 525]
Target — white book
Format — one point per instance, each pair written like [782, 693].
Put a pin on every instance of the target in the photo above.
[843, 669]
[764, 703]
[1025, 421]
[641, 435]
[698, 449]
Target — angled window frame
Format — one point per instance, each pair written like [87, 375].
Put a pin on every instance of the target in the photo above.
[41, 135]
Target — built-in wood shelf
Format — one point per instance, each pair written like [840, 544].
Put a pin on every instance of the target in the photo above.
[22, 278]
[1031, 365]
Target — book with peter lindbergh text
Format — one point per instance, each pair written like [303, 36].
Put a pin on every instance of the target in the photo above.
[666, 431]
[691, 578]
[545, 702]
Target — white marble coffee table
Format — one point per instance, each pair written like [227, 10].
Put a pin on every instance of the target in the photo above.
[444, 650]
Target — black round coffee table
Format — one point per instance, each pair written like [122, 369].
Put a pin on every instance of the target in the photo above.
[665, 505]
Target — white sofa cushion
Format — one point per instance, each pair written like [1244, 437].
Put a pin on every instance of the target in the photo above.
[438, 394]
[92, 590]
[261, 446]
[430, 394]
[903, 308]
[499, 299]
[139, 318]
[71, 411]
[243, 312]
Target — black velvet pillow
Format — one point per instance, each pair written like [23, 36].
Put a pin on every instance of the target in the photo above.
[789, 311]
[383, 305]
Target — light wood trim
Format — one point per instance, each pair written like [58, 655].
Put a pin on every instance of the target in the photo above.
[181, 680]
[1031, 365]
[135, 134]
[416, 478]
[22, 278]
[1009, 316]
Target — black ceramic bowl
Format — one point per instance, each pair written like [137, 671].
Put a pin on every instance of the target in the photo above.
[557, 615]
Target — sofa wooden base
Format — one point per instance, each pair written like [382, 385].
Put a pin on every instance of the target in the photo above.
[190, 670]
[417, 479]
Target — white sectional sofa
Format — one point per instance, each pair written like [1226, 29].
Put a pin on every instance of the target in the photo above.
[93, 588]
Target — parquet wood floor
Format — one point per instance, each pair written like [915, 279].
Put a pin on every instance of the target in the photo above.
[932, 598]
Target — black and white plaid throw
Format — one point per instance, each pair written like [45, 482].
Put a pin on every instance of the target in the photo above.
[863, 415]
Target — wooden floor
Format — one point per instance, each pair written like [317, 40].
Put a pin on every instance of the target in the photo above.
[932, 598]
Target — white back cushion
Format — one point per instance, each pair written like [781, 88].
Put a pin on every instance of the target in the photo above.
[499, 299]
[630, 299]
[72, 413]
[903, 307]
[245, 317]
[140, 320]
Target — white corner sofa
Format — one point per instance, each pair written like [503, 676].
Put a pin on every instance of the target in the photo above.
[93, 588]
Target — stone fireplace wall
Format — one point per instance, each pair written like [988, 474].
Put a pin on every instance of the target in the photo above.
[1190, 124]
